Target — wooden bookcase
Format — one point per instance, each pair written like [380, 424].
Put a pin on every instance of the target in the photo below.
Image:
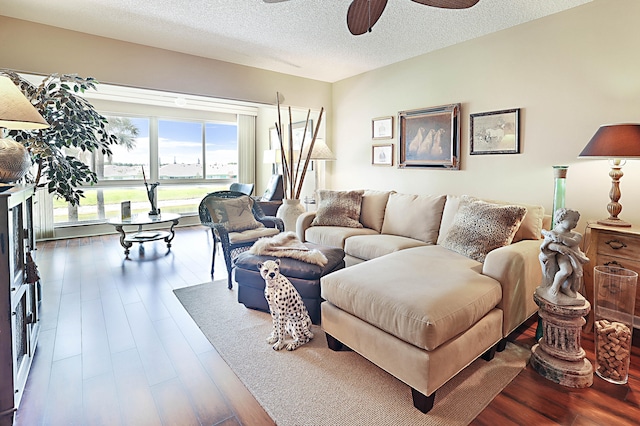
[19, 301]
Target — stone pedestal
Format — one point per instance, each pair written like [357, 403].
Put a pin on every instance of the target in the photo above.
[558, 355]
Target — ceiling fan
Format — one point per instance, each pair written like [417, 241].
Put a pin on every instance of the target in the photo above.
[363, 14]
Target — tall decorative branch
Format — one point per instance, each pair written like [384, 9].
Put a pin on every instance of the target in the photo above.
[292, 179]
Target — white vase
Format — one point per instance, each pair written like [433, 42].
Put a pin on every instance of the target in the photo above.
[289, 212]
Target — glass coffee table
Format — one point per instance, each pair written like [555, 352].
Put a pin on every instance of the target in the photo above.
[142, 236]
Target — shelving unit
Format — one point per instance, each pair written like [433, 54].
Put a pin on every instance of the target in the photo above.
[19, 300]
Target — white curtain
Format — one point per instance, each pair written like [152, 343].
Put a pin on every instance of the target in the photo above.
[246, 148]
[43, 214]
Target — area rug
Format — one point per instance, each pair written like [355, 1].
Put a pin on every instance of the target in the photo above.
[315, 386]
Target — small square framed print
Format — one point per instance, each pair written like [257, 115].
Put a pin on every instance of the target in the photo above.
[382, 155]
[382, 128]
[495, 132]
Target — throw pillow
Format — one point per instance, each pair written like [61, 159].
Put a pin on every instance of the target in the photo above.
[235, 214]
[338, 208]
[479, 227]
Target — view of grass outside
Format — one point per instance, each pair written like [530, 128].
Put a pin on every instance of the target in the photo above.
[183, 199]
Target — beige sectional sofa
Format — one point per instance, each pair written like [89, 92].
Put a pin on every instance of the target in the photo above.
[422, 297]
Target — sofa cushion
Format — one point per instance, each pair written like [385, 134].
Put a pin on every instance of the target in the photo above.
[529, 229]
[448, 213]
[235, 214]
[334, 236]
[368, 247]
[414, 216]
[479, 227]
[374, 204]
[441, 294]
[338, 208]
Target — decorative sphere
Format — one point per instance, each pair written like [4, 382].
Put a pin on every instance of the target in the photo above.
[14, 161]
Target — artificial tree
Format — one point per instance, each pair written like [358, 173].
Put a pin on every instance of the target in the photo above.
[75, 125]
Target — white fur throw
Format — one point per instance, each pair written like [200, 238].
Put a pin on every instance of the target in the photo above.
[287, 244]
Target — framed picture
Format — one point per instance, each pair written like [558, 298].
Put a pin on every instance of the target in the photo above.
[430, 137]
[495, 132]
[382, 128]
[297, 130]
[382, 155]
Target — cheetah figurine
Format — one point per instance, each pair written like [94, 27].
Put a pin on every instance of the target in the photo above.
[288, 312]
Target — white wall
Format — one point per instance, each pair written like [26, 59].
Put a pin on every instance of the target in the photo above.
[569, 73]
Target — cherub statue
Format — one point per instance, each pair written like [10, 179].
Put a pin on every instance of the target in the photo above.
[562, 260]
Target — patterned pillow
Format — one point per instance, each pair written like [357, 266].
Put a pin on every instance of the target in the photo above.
[234, 214]
[479, 227]
[338, 208]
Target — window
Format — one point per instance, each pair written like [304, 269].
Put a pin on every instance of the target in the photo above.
[189, 153]
[180, 150]
[221, 151]
[214, 133]
[130, 154]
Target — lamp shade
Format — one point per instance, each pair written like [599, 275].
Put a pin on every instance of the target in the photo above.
[320, 151]
[269, 156]
[614, 141]
[16, 112]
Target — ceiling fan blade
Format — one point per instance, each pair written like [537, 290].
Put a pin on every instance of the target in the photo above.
[363, 14]
[449, 4]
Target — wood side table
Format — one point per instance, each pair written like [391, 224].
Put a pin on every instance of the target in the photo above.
[142, 236]
[610, 245]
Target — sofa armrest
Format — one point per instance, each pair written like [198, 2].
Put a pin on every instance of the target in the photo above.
[517, 268]
[304, 222]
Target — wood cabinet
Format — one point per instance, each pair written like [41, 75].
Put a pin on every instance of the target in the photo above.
[608, 245]
[19, 300]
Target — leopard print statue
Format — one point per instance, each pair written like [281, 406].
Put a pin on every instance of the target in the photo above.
[288, 312]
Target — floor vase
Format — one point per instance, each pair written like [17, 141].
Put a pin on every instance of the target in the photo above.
[289, 212]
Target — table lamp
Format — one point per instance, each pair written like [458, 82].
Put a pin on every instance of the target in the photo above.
[269, 157]
[321, 152]
[615, 142]
[16, 112]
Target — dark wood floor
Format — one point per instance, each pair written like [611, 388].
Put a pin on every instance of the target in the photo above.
[116, 347]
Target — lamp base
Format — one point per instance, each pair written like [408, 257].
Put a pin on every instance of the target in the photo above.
[614, 221]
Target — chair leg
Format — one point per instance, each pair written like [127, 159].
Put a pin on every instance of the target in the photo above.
[213, 256]
[229, 263]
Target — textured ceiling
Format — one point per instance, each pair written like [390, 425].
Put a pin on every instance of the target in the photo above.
[307, 38]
